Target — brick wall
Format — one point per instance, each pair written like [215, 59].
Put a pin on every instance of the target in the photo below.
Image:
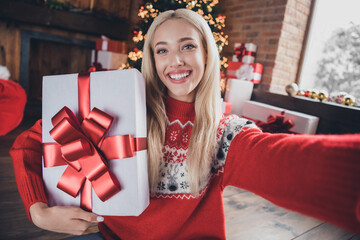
[277, 27]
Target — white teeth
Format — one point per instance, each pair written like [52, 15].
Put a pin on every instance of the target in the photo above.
[179, 76]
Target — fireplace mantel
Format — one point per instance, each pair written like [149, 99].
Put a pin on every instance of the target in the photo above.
[71, 21]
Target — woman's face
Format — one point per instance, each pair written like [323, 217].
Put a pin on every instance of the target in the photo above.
[180, 58]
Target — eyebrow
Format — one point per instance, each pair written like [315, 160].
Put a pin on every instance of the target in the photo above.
[180, 40]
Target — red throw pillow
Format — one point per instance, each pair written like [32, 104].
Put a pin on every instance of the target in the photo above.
[12, 104]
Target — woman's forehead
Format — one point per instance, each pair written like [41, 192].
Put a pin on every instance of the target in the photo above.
[175, 29]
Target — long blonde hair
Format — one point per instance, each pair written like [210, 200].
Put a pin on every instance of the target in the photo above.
[207, 104]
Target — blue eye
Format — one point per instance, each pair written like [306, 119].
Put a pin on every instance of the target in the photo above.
[189, 46]
[160, 51]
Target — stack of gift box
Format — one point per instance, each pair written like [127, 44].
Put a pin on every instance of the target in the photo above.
[242, 74]
[108, 55]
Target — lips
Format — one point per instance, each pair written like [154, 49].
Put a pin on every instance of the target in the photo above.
[179, 76]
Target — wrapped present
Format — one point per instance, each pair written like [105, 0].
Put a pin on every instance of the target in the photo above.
[94, 141]
[244, 52]
[105, 44]
[275, 119]
[237, 92]
[108, 60]
[248, 72]
[225, 107]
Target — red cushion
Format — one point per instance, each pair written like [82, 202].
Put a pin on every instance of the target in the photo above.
[12, 104]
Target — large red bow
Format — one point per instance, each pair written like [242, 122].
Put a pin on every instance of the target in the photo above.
[276, 124]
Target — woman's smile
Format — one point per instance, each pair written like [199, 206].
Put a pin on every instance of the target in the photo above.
[179, 76]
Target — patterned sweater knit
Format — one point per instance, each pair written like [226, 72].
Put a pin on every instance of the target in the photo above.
[316, 175]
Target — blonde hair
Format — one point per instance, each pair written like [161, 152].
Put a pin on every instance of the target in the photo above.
[207, 104]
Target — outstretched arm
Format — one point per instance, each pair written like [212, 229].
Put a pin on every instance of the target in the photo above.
[317, 175]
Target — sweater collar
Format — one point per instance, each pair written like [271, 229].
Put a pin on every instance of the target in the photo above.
[179, 109]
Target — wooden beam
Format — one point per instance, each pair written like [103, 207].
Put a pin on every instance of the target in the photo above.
[76, 22]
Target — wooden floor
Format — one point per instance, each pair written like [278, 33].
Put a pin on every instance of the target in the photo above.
[248, 216]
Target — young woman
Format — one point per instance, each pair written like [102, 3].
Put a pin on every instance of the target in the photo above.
[194, 152]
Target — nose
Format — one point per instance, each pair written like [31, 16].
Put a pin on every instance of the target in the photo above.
[176, 60]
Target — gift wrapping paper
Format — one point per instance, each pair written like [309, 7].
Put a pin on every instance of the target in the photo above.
[248, 72]
[225, 107]
[244, 52]
[105, 44]
[121, 94]
[303, 123]
[108, 60]
[236, 93]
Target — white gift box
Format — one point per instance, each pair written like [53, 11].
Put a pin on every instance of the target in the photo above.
[121, 94]
[108, 60]
[304, 123]
[237, 92]
[248, 56]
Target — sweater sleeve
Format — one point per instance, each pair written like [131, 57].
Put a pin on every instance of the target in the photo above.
[26, 153]
[317, 175]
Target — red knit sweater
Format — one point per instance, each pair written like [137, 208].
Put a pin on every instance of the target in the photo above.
[313, 174]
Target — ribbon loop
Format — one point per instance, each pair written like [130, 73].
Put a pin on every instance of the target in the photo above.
[96, 125]
[93, 131]
[71, 181]
[76, 149]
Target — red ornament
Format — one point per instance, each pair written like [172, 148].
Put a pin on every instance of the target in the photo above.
[136, 49]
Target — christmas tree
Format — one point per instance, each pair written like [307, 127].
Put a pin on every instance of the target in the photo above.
[151, 9]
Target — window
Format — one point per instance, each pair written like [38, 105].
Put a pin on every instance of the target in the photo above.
[332, 56]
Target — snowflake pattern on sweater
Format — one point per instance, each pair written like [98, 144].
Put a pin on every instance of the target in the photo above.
[173, 169]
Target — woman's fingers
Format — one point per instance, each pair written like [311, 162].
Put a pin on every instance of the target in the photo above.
[71, 220]
[81, 214]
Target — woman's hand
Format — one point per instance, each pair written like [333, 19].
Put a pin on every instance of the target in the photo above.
[71, 220]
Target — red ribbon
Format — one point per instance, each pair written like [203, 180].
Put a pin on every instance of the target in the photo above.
[84, 148]
[276, 124]
[241, 51]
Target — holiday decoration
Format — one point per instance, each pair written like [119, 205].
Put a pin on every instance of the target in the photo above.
[151, 9]
[276, 124]
[275, 119]
[244, 52]
[105, 145]
[292, 89]
[108, 55]
[106, 44]
[322, 95]
[348, 100]
[225, 107]
[104, 60]
[237, 92]
[248, 72]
